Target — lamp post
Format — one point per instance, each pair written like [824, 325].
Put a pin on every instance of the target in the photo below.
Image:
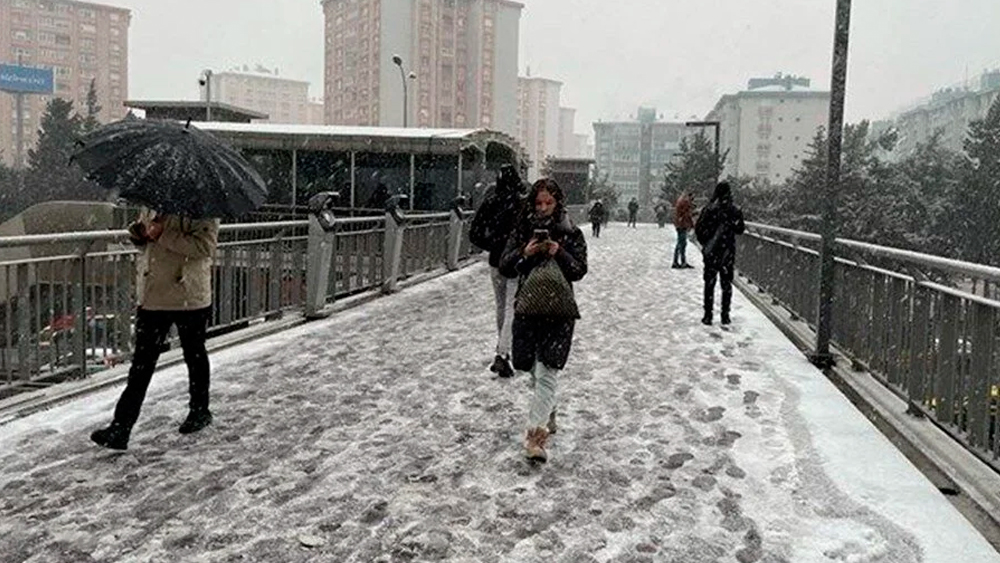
[206, 81]
[838, 88]
[716, 124]
[398, 61]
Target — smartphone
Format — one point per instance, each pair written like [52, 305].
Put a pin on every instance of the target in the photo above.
[541, 234]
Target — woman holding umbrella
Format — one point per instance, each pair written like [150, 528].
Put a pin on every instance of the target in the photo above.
[191, 180]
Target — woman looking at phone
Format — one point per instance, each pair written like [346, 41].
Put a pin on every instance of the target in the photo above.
[547, 253]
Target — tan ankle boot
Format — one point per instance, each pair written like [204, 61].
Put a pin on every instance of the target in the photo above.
[535, 444]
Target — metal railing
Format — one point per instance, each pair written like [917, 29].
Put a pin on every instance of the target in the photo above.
[904, 316]
[68, 300]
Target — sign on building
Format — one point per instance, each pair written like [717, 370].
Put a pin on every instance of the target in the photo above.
[26, 80]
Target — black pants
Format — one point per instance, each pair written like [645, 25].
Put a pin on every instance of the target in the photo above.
[632, 219]
[151, 330]
[725, 271]
[541, 339]
[595, 227]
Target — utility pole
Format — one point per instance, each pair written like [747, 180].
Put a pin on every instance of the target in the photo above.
[19, 133]
[838, 87]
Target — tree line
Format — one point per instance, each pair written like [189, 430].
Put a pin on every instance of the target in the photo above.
[934, 200]
[49, 174]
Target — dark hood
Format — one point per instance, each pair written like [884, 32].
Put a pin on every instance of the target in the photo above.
[723, 193]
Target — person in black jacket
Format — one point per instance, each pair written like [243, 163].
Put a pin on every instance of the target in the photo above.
[716, 230]
[542, 341]
[491, 227]
[633, 212]
[596, 218]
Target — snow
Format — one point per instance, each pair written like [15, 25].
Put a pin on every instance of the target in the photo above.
[336, 130]
[380, 435]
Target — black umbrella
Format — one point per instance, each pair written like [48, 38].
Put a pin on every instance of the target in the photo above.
[173, 168]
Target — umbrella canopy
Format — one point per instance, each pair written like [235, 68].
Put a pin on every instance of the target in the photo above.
[173, 168]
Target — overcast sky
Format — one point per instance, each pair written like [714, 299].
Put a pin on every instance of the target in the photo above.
[612, 55]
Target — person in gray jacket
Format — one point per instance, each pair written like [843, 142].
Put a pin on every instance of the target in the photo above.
[175, 288]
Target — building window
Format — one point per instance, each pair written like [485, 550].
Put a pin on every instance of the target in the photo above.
[87, 14]
[64, 40]
[88, 28]
[25, 35]
[115, 32]
[115, 17]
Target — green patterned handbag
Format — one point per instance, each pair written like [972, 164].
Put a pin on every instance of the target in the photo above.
[546, 293]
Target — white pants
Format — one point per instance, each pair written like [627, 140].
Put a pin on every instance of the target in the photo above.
[543, 402]
[504, 290]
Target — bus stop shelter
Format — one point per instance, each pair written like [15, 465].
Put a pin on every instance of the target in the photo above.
[430, 166]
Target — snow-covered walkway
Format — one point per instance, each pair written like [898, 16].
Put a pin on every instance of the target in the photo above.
[379, 435]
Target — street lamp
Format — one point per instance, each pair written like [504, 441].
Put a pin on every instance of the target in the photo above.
[822, 357]
[716, 124]
[398, 61]
[206, 81]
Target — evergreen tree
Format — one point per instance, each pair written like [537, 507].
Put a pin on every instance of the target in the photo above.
[91, 121]
[695, 169]
[51, 175]
[976, 203]
[601, 188]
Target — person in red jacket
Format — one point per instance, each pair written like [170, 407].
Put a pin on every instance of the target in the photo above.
[684, 222]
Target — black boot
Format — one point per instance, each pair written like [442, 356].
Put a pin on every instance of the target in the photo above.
[725, 318]
[506, 369]
[707, 319]
[113, 437]
[196, 420]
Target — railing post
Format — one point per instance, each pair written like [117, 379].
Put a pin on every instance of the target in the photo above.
[80, 304]
[322, 239]
[393, 246]
[456, 228]
[24, 335]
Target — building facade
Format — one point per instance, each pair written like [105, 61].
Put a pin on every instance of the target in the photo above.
[767, 128]
[634, 154]
[539, 120]
[81, 42]
[463, 52]
[284, 100]
[948, 112]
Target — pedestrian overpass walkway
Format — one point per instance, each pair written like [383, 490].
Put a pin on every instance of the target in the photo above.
[380, 435]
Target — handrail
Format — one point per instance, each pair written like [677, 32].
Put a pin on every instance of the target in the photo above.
[970, 269]
[114, 235]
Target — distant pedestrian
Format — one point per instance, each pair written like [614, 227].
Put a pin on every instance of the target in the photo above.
[683, 222]
[633, 213]
[548, 254]
[175, 288]
[661, 214]
[491, 227]
[597, 219]
[716, 230]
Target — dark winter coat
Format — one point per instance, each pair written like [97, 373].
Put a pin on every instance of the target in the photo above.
[543, 339]
[716, 230]
[684, 213]
[597, 213]
[633, 207]
[494, 221]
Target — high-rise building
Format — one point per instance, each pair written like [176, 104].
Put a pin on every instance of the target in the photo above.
[283, 99]
[568, 138]
[539, 118]
[81, 42]
[634, 154]
[767, 128]
[948, 112]
[463, 53]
